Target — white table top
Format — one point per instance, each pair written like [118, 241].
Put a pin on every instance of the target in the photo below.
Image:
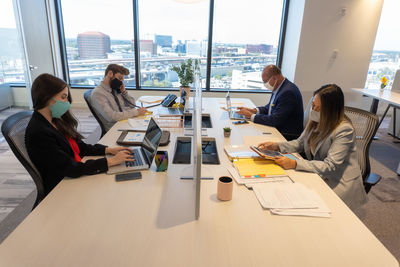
[389, 96]
[95, 221]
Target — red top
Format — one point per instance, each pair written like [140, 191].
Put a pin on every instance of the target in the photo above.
[75, 148]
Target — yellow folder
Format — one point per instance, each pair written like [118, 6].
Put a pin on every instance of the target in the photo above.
[252, 168]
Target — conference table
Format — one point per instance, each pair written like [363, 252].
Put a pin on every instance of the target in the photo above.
[95, 221]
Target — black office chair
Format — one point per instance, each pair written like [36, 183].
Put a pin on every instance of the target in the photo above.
[365, 124]
[87, 95]
[13, 129]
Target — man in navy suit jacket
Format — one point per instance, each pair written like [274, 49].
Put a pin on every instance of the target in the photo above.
[285, 108]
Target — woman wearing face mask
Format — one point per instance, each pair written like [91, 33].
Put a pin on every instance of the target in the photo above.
[53, 142]
[329, 144]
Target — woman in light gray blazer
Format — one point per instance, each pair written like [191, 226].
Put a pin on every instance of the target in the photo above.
[329, 144]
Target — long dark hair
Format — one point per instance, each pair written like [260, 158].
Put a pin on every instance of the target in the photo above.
[44, 88]
[331, 113]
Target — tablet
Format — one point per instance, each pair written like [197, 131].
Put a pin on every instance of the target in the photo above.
[268, 154]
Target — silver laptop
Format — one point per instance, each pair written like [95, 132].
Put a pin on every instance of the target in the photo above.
[143, 154]
[167, 112]
[233, 115]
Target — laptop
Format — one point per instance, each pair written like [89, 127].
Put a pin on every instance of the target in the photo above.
[143, 154]
[233, 115]
[167, 112]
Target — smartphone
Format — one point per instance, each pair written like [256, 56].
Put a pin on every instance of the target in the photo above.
[128, 176]
[240, 122]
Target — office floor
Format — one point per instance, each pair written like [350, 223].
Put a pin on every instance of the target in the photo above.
[381, 216]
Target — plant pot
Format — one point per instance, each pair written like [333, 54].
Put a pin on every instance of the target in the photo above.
[227, 134]
[187, 91]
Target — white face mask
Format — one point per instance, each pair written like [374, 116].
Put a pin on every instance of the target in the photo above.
[268, 86]
[314, 115]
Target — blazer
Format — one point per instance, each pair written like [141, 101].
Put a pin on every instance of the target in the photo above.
[52, 155]
[107, 108]
[286, 111]
[335, 160]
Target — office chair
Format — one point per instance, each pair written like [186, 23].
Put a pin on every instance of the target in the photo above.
[365, 125]
[13, 129]
[87, 95]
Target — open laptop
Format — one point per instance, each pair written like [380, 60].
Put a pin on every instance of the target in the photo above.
[233, 115]
[143, 154]
[166, 112]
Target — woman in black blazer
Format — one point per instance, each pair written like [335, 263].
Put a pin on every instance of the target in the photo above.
[53, 142]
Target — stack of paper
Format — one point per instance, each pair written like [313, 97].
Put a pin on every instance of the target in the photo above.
[240, 152]
[290, 199]
[249, 181]
[139, 124]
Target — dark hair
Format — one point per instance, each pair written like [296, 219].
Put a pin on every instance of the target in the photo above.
[44, 88]
[331, 113]
[115, 68]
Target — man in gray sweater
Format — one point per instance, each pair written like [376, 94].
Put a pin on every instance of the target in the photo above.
[111, 100]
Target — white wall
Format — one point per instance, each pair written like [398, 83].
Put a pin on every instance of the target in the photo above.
[324, 29]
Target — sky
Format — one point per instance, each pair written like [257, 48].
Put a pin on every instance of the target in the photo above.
[236, 21]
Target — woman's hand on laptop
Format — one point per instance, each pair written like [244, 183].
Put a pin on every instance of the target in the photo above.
[115, 150]
[121, 156]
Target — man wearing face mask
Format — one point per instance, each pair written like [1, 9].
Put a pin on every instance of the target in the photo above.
[111, 100]
[285, 108]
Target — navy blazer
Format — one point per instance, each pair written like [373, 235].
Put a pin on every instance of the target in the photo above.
[52, 155]
[286, 111]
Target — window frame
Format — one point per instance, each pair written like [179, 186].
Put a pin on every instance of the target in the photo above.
[63, 49]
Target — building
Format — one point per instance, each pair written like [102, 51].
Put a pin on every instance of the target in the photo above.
[146, 47]
[260, 48]
[180, 47]
[196, 48]
[93, 45]
[163, 40]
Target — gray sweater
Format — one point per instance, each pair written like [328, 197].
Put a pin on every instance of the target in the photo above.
[107, 109]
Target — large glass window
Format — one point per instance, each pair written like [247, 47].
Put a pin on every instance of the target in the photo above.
[11, 56]
[385, 58]
[171, 32]
[245, 40]
[98, 33]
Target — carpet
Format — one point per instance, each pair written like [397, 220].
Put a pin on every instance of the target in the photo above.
[387, 190]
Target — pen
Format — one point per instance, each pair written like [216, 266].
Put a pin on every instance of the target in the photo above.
[267, 133]
[131, 130]
[191, 178]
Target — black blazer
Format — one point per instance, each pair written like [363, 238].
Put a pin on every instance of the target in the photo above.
[286, 111]
[52, 155]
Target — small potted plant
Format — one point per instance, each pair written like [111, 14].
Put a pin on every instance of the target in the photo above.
[186, 76]
[227, 131]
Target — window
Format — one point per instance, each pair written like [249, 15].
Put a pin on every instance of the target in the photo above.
[12, 62]
[385, 58]
[245, 38]
[97, 33]
[171, 32]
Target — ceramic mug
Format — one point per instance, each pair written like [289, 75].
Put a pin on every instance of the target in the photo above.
[225, 188]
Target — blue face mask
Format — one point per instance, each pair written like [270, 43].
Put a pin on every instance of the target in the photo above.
[59, 108]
